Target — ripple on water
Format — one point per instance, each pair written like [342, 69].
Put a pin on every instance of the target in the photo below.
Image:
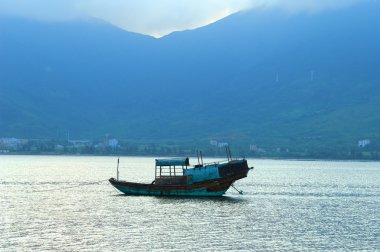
[287, 205]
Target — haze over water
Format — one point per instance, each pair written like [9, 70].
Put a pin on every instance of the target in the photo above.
[51, 203]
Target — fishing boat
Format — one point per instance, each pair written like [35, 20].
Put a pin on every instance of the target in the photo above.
[176, 177]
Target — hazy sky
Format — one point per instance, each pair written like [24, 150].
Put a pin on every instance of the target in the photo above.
[155, 17]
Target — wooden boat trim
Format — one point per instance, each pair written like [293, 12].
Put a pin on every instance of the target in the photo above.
[204, 184]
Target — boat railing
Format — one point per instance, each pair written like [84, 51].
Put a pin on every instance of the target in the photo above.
[164, 173]
[169, 171]
[216, 162]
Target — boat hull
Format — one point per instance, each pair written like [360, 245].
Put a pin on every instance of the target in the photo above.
[210, 188]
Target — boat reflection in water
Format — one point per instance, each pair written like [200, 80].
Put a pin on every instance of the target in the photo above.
[175, 177]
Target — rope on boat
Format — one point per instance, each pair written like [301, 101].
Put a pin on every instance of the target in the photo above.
[69, 187]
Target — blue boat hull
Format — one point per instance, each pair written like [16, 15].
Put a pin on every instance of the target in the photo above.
[195, 192]
[210, 188]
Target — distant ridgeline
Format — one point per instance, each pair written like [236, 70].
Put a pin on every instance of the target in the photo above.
[267, 83]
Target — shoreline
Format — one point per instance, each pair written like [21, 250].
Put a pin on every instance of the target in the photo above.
[190, 156]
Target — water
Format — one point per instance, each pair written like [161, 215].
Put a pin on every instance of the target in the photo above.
[287, 205]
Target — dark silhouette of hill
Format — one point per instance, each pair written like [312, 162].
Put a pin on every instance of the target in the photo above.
[304, 81]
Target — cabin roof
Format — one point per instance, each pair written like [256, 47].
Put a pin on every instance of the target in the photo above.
[173, 162]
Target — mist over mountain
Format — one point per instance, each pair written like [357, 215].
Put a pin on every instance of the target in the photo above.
[262, 76]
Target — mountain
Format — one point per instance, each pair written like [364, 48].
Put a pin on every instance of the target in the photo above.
[301, 81]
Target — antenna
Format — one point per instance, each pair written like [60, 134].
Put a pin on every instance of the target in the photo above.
[198, 156]
[201, 157]
[228, 152]
[117, 169]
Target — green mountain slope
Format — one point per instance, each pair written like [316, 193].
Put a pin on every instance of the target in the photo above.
[302, 82]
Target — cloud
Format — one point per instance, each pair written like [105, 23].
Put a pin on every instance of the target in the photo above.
[161, 17]
[155, 17]
[294, 6]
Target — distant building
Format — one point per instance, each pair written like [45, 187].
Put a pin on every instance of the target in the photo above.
[221, 145]
[12, 143]
[363, 143]
[253, 147]
[217, 144]
[214, 142]
[113, 143]
[80, 144]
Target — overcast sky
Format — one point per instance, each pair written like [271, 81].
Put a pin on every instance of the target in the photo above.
[156, 17]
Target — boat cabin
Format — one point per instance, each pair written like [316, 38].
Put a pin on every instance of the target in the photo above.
[171, 171]
[179, 172]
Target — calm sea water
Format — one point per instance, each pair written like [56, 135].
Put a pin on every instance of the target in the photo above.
[287, 205]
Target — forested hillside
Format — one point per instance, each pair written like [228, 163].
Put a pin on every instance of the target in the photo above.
[303, 82]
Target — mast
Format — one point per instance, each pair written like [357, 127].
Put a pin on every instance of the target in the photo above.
[117, 169]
